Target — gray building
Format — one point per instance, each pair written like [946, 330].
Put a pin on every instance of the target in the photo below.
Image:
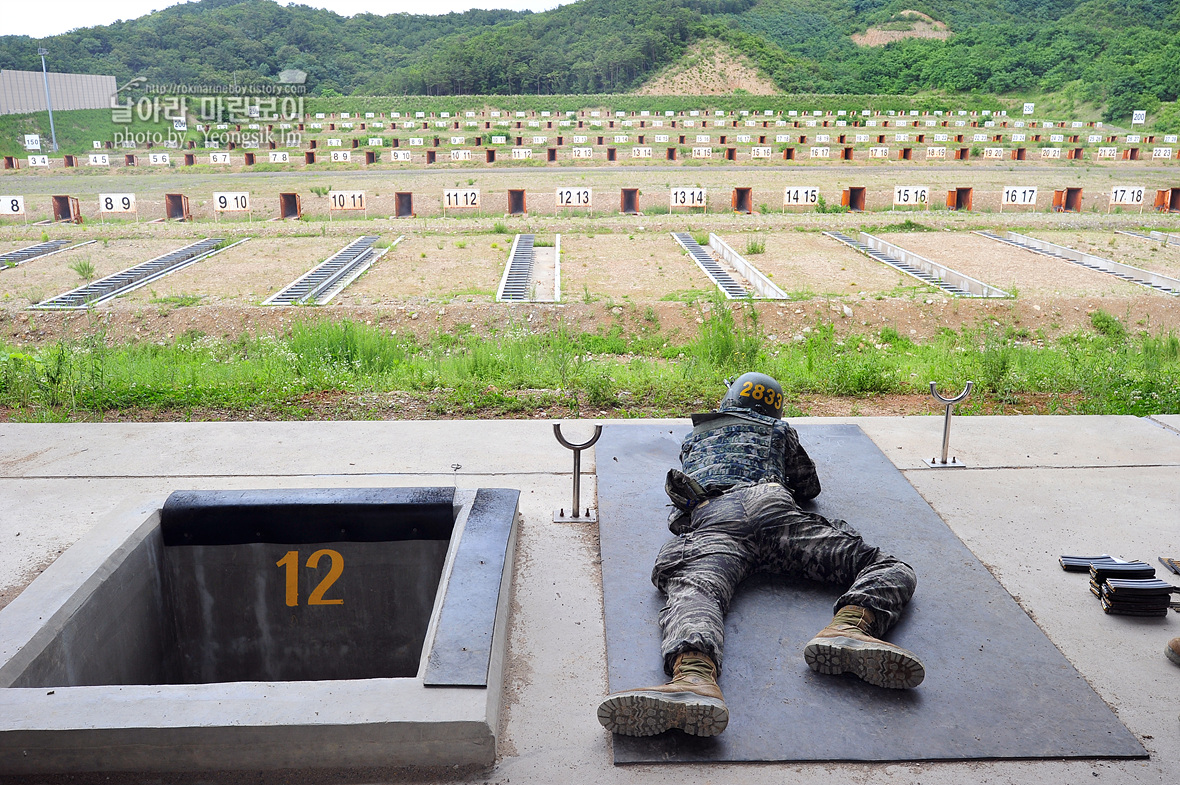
[22, 92]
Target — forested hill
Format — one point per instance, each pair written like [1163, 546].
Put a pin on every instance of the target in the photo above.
[1118, 52]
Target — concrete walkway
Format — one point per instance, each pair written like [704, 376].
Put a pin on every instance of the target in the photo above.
[1034, 488]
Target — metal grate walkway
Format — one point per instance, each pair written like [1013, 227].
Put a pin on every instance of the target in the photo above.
[1126, 272]
[22, 255]
[133, 277]
[517, 284]
[327, 279]
[900, 265]
[1159, 237]
[725, 282]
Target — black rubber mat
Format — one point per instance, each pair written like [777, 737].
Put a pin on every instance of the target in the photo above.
[995, 686]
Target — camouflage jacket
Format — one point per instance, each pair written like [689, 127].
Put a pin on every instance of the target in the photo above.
[735, 448]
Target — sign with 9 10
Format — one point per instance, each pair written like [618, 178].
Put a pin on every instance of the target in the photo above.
[231, 201]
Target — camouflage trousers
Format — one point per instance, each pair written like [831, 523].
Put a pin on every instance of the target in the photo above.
[761, 529]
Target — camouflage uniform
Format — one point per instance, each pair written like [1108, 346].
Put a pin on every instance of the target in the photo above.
[736, 514]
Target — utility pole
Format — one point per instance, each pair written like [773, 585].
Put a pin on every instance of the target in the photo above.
[48, 103]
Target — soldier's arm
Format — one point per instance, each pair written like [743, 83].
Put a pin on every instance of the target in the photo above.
[801, 475]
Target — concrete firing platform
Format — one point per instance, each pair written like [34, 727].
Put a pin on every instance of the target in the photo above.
[1035, 487]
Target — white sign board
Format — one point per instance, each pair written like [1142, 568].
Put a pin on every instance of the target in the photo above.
[400, 155]
[575, 197]
[521, 153]
[761, 152]
[116, 203]
[346, 200]
[583, 152]
[32, 142]
[702, 152]
[1015, 195]
[277, 157]
[1029, 108]
[219, 158]
[641, 152]
[878, 152]
[159, 159]
[376, 141]
[821, 152]
[910, 195]
[231, 201]
[1107, 152]
[687, 197]
[936, 152]
[1161, 152]
[460, 155]
[38, 160]
[341, 156]
[457, 198]
[1139, 117]
[12, 205]
[795, 196]
[99, 159]
[993, 152]
[1128, 195]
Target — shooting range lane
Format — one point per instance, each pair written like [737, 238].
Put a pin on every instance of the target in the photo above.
[996, 687]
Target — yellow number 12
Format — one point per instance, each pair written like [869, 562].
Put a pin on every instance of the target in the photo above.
[291, 562]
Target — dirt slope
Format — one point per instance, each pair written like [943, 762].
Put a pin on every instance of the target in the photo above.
[709, 68]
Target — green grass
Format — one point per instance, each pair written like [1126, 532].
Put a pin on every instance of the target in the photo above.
[1105, 369]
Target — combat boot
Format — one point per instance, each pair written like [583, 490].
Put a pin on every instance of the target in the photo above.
[845, 646]
[1173, 650]
[691, 702]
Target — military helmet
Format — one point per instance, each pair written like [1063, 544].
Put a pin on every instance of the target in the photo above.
[757, 392]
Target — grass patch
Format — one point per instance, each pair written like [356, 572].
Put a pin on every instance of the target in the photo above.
[755, 245]
[178, 300]
[1099, 370]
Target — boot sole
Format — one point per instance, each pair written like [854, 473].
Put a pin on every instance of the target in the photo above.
[879, 664]
[649, 713]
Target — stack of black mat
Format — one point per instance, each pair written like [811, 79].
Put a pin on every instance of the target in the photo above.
[1125, 588]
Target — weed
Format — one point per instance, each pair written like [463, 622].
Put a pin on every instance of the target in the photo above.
[460, 244]
[84, 269]
[320, 190]
[499, 227]
[822, 206]
[755, 245]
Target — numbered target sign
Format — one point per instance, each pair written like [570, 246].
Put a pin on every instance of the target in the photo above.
[1029, 108]
[375, 141]
[220, 159]
[1126, 194]
[96, 145]
[993, 152]
[277, 157]
[577, 140]
[575, 197]
[1107, 152]
[543, 139]
[878, 152]
[702, 152]
[702, 139]
[159, 159]
[620, 139]
[116, 203]
[687, 197]
[12, 205]
[583, 152]
[458, 139]
[210, 144]
[641, 152]
[341, 156]
[460, 155]
[346, 200]
[823, 138]
[782, 139]
[1019, 196]
[38, 160]
[795, 196]
[180, 125]
[401, 155]
[335, 143]
[1050, 152]
[99, 159]
[521, 153]
[231, 202]
[661, 138]
[460, 198]
[1161, 152]
[821, 152]
[1019, 137]
[1139, 117]
[910, 195]
[743, 138]
[936, 152]
[761, 152]
[32, 141]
